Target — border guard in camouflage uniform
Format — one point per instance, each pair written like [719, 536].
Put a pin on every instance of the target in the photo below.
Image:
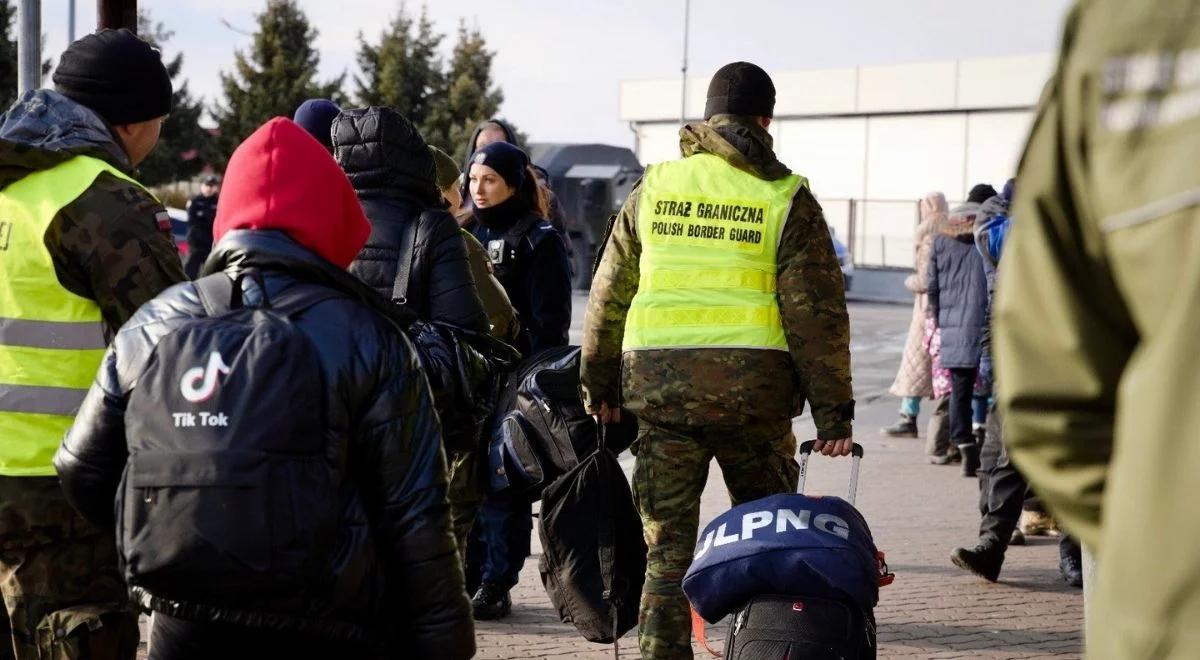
[82, 246]
[717, 309]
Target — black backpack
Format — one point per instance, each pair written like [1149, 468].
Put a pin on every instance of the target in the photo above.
[593, 560]
[229, 496]
[465, 368]
[542, 429]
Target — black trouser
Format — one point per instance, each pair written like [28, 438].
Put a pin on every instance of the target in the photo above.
[1001, 487]
[1069, 547]
[499, 541]
[177, 639]
[962, 388]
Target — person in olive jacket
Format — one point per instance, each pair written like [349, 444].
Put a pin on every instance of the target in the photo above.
[289, 213]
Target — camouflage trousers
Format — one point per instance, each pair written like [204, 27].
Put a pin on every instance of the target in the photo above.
[668, 478]
[465, 495]
[62, 594]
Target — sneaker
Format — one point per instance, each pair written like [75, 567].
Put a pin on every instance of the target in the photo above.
[1017, 537]
[984, 560]
[491, 602]
[951, 456]
[905, 428]
[970, 461]
[1070, 565]
[1037, 523]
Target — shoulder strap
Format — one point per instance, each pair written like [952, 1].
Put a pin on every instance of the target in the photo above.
[607, 535]
[408, 248]
[215, 293]
[702, 635]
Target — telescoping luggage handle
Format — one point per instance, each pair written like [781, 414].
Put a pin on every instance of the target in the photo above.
[856, 453]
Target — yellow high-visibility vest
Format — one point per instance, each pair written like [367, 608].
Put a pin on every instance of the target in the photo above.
[51, 340]
[710, 236]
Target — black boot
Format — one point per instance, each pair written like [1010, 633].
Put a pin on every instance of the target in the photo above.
[970, 459]
[905, 428]
[1018, 537]
[491, 602]
[1070, 562]
[980, 435]
[951, 456]
[984, 560]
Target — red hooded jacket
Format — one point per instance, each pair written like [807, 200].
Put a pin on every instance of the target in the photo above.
[282, 178]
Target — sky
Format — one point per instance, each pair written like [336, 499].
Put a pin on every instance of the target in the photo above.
[560, 63]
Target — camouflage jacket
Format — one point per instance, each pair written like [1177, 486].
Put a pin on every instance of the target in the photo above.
[729, 386]
[109, 244]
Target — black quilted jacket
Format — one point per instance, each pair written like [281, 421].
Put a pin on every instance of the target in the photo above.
[392, 170]
[398, 581]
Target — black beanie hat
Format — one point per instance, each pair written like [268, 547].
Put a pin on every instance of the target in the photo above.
[740, 88]
[115, 74]
[981, 193]
[508, 161]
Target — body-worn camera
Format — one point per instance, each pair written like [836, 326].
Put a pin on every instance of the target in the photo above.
[496, 250]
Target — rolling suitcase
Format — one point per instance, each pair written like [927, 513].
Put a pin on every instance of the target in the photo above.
[774, 627]
[817, 624]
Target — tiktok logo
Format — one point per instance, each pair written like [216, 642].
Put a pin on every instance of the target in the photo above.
[200, 383]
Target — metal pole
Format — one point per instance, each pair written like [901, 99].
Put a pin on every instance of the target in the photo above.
[687, 12]
[70, 21]
[29, 45]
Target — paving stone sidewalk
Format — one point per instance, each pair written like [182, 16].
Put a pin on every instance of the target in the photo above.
[918, 513]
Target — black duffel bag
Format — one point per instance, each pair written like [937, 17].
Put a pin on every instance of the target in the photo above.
[593, 560]
[541, 428]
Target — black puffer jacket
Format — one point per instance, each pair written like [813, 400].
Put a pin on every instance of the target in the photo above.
[393, 172]
[397, 573]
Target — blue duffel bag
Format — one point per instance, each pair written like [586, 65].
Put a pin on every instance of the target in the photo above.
[785, 544]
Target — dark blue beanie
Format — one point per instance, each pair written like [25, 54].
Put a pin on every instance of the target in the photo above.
[316, 116]
[508, 161]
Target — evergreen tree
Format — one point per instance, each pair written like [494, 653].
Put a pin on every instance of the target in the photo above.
[402, 70]
[275, 77]
[183, 145]
[466, 97]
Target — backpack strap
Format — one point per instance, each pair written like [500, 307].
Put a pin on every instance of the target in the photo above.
[215, 293]
[408, 249]
[607, 552]
[701, 635]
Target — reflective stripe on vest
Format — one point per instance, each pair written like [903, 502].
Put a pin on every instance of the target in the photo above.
[710, 236]
[51, 340]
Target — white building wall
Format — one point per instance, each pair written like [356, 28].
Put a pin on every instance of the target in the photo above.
[830, 152]
[996, 142]
[907, 87]
[657, 142]
[882, 136]
[909, 155]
